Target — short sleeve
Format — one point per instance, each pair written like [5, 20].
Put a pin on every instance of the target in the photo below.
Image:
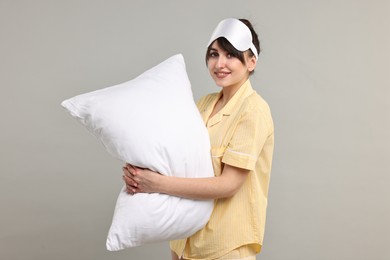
[248, 139]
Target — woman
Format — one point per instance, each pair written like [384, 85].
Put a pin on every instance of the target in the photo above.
[242, 139]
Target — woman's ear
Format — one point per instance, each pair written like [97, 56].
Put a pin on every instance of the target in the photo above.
[251, 63]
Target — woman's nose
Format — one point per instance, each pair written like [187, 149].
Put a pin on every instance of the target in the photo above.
[221, 62]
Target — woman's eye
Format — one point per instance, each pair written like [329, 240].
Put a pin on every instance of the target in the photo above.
[229, 55]
[213, 54]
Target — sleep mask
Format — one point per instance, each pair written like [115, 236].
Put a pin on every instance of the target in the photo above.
[236, 32]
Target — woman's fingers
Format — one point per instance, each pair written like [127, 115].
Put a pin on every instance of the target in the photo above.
[131, 185]
[129, 179]
[128, 172]
[138, 179]
[130, 168]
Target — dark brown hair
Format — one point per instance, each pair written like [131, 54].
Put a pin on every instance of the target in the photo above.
[228, 47]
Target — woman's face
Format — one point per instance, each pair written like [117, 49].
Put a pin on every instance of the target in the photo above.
[226, 70]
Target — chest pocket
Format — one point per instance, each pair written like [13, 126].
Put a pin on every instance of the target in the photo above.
[216, 157]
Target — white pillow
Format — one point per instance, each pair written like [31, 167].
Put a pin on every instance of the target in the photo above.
[151, 122]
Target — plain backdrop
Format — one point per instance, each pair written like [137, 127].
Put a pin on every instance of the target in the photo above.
[324, 69]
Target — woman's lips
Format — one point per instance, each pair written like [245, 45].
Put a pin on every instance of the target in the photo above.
[221, 74]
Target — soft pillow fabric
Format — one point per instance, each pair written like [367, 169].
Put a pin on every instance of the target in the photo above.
[151, 122]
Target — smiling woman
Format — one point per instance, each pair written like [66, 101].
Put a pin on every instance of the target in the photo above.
[228, 70]
[323, 68]
[241, 133]
[228, 66]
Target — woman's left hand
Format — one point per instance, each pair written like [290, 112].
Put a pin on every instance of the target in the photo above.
[140, 180]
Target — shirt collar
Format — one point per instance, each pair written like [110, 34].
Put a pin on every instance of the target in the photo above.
[244, 91]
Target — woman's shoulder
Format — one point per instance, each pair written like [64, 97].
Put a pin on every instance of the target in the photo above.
[257, 102]
[257, 107]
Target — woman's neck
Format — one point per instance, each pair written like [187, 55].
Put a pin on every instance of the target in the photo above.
[228, 92]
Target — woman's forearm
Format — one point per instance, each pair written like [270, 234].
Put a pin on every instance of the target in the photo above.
[223, 186]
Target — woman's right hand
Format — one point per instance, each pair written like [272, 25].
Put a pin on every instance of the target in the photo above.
[127, 177]
[140, 180]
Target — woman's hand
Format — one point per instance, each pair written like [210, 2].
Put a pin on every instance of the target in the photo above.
[140, 180]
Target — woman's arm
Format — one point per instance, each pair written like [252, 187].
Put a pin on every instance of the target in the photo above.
[226, 185]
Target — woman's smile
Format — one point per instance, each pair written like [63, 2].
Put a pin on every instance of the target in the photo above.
[222, 74]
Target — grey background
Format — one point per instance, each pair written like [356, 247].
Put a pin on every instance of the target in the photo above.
[324, 71]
